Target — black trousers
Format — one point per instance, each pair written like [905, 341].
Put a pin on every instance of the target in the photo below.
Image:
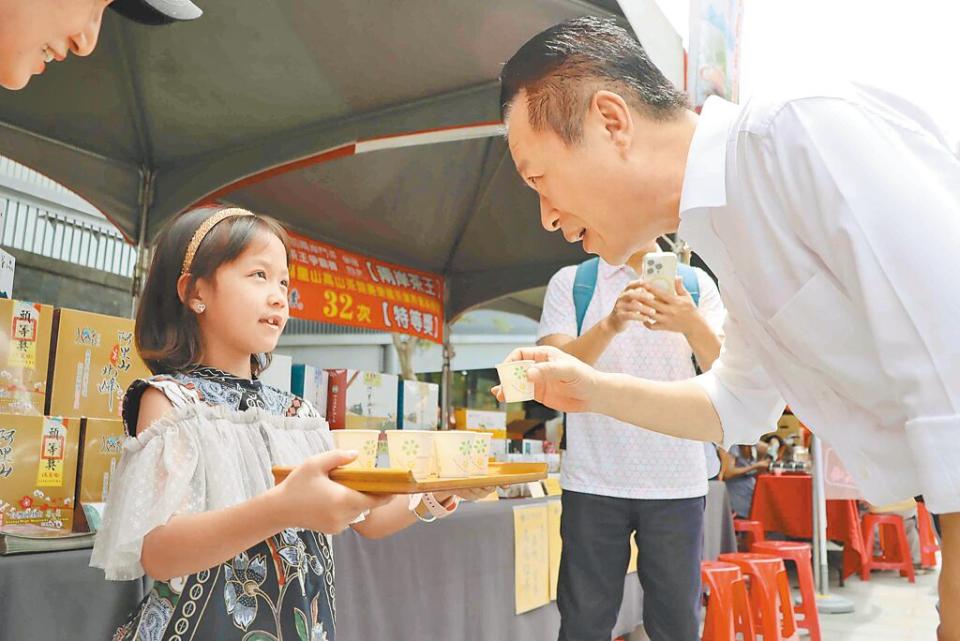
[596, 551]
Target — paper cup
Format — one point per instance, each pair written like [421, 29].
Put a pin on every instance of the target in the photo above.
[455, 457]
[363, 441]
[513, 379]
[412, 450]
[481, 452]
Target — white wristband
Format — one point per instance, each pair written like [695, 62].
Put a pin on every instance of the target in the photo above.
[438, 509]
[415, 501]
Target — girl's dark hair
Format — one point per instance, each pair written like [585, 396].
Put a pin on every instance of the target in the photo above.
[167, 332]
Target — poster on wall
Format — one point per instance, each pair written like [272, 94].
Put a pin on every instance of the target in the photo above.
[713, 63]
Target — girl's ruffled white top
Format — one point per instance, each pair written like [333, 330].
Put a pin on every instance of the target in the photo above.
[195, 459]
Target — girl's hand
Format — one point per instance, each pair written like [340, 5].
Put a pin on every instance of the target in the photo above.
[308, 499]
[467, 494]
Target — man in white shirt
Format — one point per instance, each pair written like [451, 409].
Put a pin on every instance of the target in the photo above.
[828, 217]
[618, 480]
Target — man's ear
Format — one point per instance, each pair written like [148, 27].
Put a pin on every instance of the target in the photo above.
[614, 115]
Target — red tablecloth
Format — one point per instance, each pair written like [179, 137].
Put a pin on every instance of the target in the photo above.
[785, 504]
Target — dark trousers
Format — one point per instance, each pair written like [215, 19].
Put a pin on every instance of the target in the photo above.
[596, 551]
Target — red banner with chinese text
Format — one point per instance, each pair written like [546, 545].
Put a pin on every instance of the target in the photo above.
[330, 285]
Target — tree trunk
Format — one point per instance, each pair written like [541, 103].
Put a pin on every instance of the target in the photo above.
[406, 346]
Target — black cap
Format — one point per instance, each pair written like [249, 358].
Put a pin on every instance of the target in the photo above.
[156, 12]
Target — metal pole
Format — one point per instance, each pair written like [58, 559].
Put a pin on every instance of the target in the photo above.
[446, 379]
[145, 200]
[826, 602]
[821, 575]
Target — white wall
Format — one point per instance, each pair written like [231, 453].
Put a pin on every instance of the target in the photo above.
[376, 353]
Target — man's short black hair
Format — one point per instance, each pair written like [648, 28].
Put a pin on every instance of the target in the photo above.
[560, 69]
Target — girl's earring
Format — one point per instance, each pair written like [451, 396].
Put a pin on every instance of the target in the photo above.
[200, 308]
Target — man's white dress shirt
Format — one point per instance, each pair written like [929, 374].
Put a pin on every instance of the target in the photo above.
[832, 219]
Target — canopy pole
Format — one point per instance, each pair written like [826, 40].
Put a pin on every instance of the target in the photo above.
[142, 264]
[826, 602]
[446, 379]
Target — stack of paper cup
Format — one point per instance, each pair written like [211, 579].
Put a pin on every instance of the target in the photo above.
[481, 452]
[363, 441]
[455, 453]
[412, 450]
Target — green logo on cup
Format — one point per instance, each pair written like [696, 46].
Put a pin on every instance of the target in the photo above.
[411, 447]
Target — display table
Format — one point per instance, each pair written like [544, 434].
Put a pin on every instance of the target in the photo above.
[785, 504]
[448, 580]
[57, 595]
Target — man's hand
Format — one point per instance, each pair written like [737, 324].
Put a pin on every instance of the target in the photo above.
[670, 312]
[560, 381]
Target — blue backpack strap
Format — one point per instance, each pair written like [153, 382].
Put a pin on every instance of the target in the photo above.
[583, 286]
[690, 281]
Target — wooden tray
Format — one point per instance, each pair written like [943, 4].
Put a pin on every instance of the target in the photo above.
[392, 481]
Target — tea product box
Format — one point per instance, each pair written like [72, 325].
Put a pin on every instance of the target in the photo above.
[279, 373]
[26, 331]
[99, 455]
[38, 470]
[8, 267]
[310, 383]
[419, 405]
[362, 400]
[468, 419]
[94, 362]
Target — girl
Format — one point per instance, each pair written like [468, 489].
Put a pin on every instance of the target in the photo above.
[193, 504]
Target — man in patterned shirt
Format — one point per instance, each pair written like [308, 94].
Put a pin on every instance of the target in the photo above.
[619, 480]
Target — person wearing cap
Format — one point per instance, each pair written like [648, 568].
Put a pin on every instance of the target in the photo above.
[34, 33]
[829, 215]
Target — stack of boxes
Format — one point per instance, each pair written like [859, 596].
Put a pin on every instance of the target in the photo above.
[63, 374]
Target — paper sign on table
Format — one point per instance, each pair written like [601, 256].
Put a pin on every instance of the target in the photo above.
[552, 486]
[554, 509]
[531, 557]
[536, 490]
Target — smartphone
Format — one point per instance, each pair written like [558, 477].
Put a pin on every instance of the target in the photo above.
[660, 270]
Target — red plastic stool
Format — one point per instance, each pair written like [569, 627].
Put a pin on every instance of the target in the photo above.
[928, 537]
[728, 608]
[768, 585]
[752, 529]
[886, 561]
[801, 555]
